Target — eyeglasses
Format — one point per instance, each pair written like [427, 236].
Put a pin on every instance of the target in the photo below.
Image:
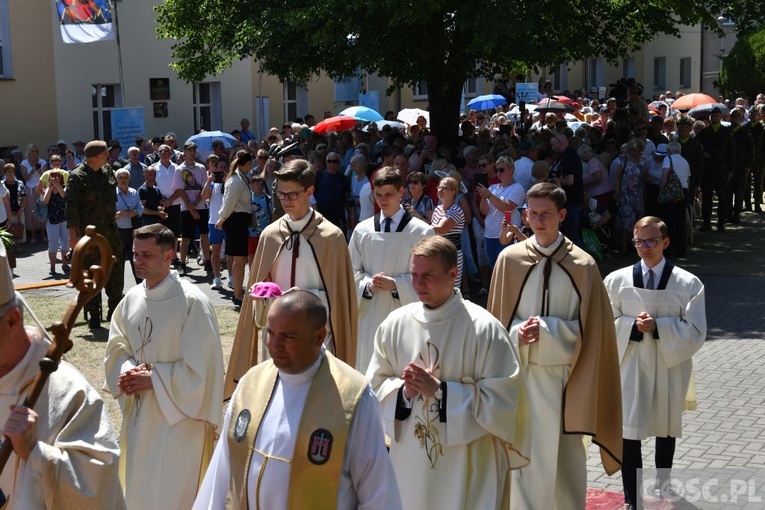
[413, 182]
[648, 243]
[292, 195]
[501, 169]
[482, 165]
[163, 151]
[333, 161]
[444, 188]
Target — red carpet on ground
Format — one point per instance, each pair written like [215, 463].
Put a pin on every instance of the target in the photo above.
[598, 499]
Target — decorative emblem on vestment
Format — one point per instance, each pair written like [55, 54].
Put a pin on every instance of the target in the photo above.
[242, 422]
[320, 446]
[425, 429]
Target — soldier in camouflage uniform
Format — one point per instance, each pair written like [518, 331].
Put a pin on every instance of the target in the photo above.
[91, 200]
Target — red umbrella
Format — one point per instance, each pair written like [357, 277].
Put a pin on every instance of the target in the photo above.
[689, 101]
[563, 99]
[335, 124]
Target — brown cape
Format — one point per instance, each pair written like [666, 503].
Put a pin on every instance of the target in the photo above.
[330, 250]
[592, 400]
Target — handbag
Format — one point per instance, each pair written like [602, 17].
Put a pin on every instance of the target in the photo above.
[592, 244]
[672, 192]
[41, 210]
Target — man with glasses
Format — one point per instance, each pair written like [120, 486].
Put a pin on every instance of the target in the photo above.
[333, 192]
[660, 321]
[302, 249]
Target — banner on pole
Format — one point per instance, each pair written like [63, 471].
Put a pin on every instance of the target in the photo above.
[85, 21]
[127, 124]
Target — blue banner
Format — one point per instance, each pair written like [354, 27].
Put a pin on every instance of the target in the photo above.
[127, 124]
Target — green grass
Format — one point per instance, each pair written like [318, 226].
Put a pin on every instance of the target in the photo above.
[89, 346]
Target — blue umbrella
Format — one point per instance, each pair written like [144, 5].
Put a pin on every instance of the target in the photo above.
[361, 113]
[205, 139]
[486, 102]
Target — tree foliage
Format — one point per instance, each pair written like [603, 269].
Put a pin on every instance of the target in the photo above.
[743, 70]
[748, 15]
[441, 42]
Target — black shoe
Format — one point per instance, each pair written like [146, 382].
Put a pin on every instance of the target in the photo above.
[109, 315]
[705, 228]
[208, 266]
[182, 269]
[94, 322]
[237, 302]
[721, 228]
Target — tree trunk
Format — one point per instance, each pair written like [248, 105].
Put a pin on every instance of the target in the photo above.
[444, 94]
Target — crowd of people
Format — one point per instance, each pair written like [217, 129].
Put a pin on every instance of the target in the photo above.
[362, 248]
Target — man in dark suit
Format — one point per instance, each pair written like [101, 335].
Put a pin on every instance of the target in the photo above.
[744, 158]
[719, 161]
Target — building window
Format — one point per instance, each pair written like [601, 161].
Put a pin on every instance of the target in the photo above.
[629, 69]
[207, 100]
[474, 87]
[685, 73]
[420, 90]
[595, 74]
[660, 73]
[6, 70]
[560, 78]
[105, 99]
[290, 101]
[346, 90]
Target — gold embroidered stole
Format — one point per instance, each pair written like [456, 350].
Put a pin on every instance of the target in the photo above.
[317, 460]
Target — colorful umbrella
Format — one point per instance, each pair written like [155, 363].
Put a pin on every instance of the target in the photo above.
[335, 124]
[548, 105]
[361, 113]
[690, 100]
[410, 115]
[486, 102]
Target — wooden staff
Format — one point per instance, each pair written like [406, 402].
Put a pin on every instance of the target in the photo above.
[89, 284]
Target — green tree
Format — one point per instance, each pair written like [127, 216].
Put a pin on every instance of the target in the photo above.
[743, 70]
[441, 42]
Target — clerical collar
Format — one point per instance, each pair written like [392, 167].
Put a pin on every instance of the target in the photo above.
[307, 374]
[160, 284]
[547, 251]
[297, 225]
[658, 269]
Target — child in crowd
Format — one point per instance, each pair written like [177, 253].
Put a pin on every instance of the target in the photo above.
[262, 212]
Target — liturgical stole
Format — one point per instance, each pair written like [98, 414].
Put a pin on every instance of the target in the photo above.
[330, 405]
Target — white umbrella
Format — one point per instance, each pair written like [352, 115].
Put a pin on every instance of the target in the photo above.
[410, 116]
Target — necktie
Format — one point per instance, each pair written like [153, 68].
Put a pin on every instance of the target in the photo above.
[651, 284]
[387, 224]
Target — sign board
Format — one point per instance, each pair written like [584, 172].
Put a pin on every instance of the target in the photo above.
[602, 92]
[528, 92]
[371, 100]
[127, 124]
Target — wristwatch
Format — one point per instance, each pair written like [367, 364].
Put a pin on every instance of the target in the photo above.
[439, 393]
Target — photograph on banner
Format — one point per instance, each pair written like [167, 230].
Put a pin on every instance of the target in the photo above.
[528, 92]
[85, 21]
[127, 124]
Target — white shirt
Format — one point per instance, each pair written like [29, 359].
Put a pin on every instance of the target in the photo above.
[165, 175]
[658, 270]
[395, 219]
[680, 166]
[522, 173]
[3, 193]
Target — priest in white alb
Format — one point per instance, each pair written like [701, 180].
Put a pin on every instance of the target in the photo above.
[380, 256]
[303, 430]
[164, 362]
[447, 377]
[661, 323]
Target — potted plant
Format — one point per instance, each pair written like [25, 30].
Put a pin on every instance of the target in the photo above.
[7, 240]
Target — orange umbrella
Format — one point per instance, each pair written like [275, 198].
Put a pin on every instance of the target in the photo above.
[691, 100]
[563, 99]
[336, 124]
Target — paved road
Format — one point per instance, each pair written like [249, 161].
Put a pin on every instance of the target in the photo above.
[727, 431]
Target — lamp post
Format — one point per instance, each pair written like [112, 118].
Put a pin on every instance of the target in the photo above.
[721, 21]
